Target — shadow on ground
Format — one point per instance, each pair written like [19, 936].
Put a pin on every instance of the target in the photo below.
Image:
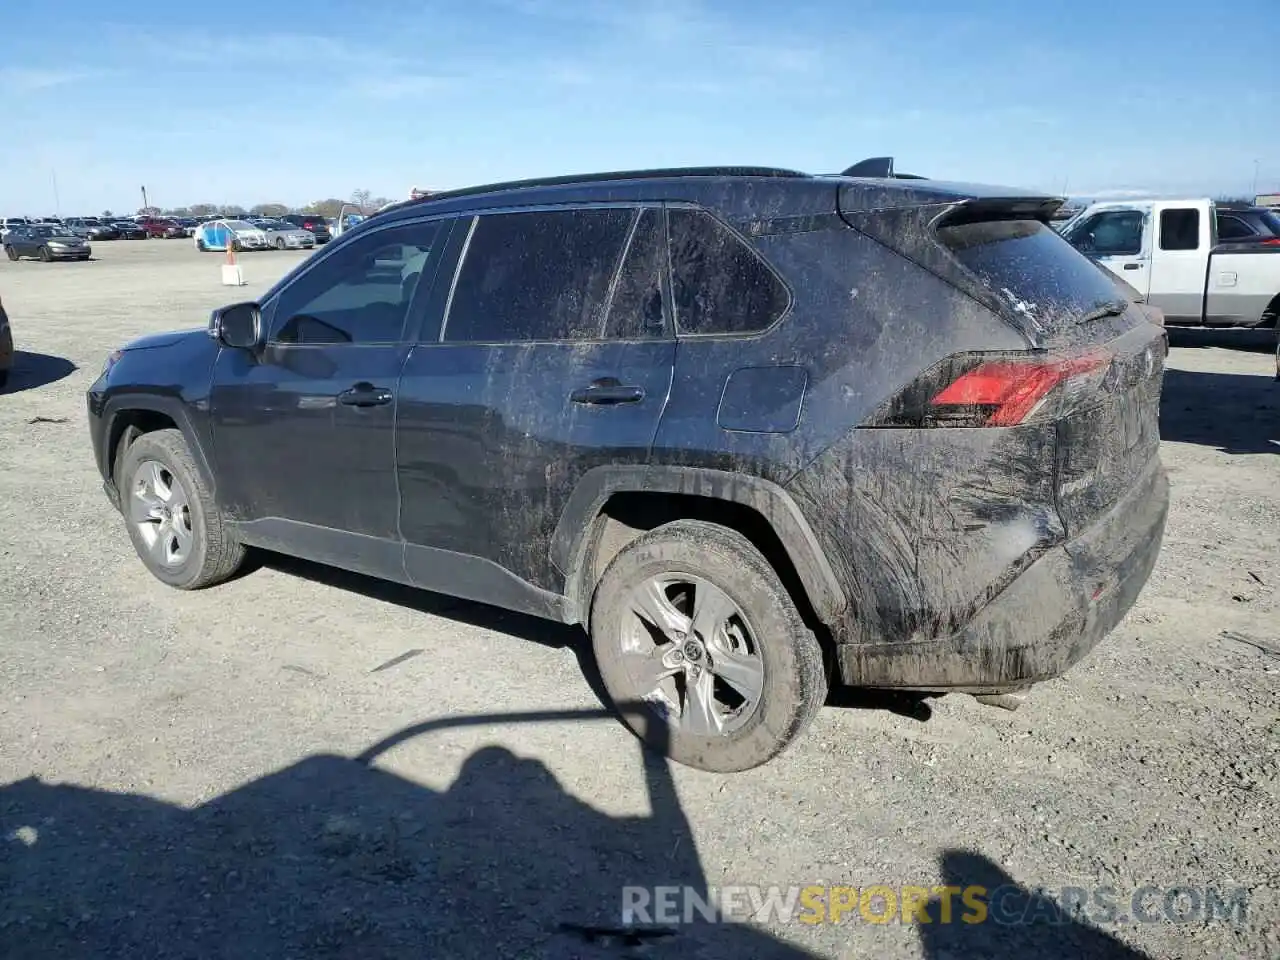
[1234, 412]
[1229, 338]
[1018, 922]
[558, 636]
[335, 858]
[33, 370]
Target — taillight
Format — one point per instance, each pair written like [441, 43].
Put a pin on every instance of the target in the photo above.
[1272, 242]
[994, 390]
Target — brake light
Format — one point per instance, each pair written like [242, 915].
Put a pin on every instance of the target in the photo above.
[986, 390]
[1271, 242]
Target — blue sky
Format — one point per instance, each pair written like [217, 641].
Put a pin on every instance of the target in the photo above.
[292, 101]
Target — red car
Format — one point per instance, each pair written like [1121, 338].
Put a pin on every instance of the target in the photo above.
[157, 227]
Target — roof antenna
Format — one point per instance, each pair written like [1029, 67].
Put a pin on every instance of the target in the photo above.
[879, 167]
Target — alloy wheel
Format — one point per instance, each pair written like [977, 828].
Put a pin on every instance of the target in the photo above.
[161, 512]
[692, 655]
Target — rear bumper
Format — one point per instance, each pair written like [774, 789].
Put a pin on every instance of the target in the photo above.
[1049, 618]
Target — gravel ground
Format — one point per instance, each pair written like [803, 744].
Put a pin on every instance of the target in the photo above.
[178, 773]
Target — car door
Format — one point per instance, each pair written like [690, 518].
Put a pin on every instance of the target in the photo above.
[1179, 262]
[304, 427]
[554, 355]
[1118, 239]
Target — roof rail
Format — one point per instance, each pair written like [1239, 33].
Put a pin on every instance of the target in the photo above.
[880, 168]
[571, 179]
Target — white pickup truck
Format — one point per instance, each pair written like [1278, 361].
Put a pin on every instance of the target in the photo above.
[1169, 250]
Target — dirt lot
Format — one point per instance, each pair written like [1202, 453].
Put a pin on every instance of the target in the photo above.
[177, 773]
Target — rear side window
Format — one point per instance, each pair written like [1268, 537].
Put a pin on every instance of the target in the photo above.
[636, 311]
[1030, 266]
[1233, 228]
[1180, 229]
[537, 276]
[719, 285]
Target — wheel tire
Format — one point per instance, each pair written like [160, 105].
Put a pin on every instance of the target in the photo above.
[236, 246]
[794, 683]
[201, 247]
[279, 243]
[45, 255]
[11, 253]
[214, 555]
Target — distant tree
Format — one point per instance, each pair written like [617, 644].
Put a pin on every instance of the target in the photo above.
[232, 210]
[269, 210]
[148, 211]
[203, 209]
[179, 212]
[325, 208]
[377, 203]
[361, 198]
[107, 213]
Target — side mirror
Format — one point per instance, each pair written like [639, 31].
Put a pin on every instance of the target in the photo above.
[238, 326]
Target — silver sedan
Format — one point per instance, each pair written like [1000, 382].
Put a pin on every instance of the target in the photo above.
[285, 236]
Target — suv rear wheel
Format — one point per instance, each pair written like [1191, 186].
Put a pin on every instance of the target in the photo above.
[173, 520]
[702, 649]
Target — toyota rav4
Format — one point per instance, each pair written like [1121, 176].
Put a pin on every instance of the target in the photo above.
[756, 431]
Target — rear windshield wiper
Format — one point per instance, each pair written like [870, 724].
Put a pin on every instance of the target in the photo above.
[1107, 308]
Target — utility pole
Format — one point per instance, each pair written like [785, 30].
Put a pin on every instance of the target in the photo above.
[1255, 181]
[144, 198]
[57, 203]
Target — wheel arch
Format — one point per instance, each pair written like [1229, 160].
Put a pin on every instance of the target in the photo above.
[611, 505]
[129, 416]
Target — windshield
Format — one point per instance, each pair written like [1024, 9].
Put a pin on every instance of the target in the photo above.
[1272, 221]
[241, 225]
[44, 230]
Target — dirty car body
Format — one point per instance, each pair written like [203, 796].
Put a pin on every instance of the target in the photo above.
[934, 418]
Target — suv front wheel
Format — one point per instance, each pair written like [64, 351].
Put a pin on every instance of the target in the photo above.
[702, 650]
[173, 520]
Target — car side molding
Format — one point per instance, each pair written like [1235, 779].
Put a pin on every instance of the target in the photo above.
[571, 538]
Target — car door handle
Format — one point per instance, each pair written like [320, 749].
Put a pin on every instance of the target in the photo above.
[607, 392]
[366, 395]
[1133, 266]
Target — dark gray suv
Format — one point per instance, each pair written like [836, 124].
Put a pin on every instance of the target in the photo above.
[756, 431]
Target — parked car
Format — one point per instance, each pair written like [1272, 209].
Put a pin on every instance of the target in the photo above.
[9, 223]
[282, 235]
[1246, 225]
[1170, 251]
[91, 228]
[744, 425]
[313, 223]
[47, 242]
[6, 347]
[236, 234]
[129, 230]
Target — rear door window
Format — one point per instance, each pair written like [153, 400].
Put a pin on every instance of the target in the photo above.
[537, 276]
[719, 284]
[636, 311]
[1180, 229]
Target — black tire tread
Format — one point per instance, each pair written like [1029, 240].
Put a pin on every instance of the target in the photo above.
[755, 578]
[223, 554]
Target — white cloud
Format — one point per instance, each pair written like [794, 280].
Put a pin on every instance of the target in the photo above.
[31, 79]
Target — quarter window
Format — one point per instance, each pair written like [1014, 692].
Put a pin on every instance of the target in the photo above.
[361, 293]
[542, 275]
[1180, 229]
[719, 285]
